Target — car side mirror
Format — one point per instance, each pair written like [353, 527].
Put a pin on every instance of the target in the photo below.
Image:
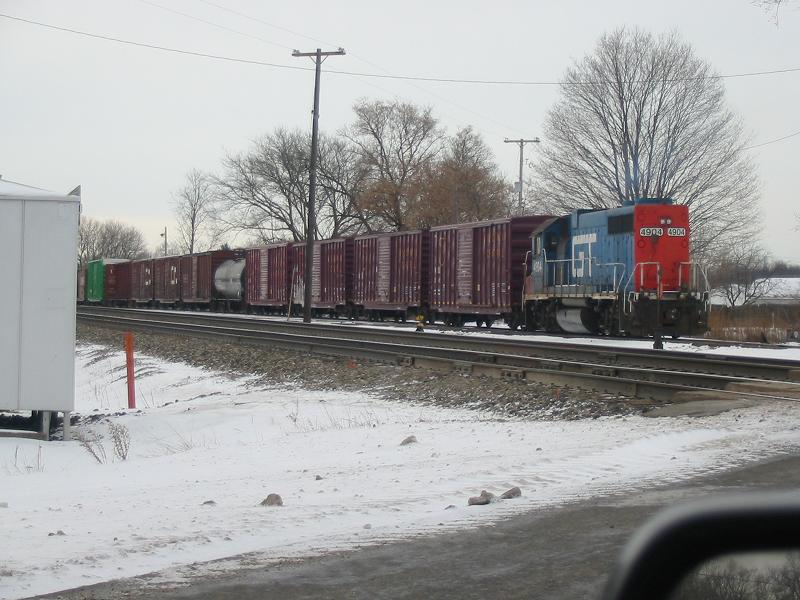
[680, 540]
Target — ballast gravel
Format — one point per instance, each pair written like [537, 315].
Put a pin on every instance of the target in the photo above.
[505, 397]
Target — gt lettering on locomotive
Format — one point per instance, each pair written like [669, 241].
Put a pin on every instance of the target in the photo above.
[579, 258]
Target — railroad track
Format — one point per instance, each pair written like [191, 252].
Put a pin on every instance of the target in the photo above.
[658, 374]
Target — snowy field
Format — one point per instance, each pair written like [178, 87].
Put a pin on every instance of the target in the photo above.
[205, 450]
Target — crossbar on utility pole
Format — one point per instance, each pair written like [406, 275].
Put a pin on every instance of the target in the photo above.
[318, 56]
[521, 143]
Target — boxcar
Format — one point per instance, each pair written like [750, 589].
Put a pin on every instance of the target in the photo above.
[332, 284]
[197, 276]
[96, 280]
[142, 281]
[390, 274]
[267, 278]
[166, 280]
[476, 270]
[118, 282]
[81, 284]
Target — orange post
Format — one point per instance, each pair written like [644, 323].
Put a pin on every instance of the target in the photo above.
[129, 363]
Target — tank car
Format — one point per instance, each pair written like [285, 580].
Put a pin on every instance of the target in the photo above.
[620, 271]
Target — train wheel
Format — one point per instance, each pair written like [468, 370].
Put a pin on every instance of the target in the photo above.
[489, 323]
[478, 322]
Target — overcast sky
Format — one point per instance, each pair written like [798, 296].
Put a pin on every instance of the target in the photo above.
[127, 123]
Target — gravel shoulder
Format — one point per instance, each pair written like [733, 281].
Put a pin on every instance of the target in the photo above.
[506, 398]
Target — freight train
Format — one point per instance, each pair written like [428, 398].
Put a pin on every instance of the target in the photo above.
[622, 271]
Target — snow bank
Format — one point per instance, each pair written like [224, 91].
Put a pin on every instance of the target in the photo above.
[202, 436]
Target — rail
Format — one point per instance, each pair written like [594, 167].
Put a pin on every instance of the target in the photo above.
[631, 371]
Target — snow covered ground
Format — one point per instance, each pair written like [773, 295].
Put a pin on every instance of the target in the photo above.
[335, 459]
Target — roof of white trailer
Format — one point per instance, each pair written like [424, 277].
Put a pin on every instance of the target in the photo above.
[13, 190]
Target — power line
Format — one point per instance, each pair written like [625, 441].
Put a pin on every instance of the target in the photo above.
[384, 76]
[780, 139]
[217, 25]
[267, 23]
[353, 55]
[163, 48]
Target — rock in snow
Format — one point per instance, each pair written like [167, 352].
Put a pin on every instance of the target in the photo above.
[412, 439]
[514, 492]
[272, 500]
[484, 498]
[209, 503]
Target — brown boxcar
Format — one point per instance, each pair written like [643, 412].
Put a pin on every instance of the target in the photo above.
[390, 273]
[476, 269]
[267, 278]
[332, 285]
[142, 281]
[167, 279]
[117, 282]
[81, 284]
[197, 275]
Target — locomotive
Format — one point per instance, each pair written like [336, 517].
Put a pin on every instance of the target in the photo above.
[621, 271]
[625, 270]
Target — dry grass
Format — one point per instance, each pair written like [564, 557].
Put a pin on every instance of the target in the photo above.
[755, 324]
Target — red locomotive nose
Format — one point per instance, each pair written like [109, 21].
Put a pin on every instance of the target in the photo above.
[662, 245]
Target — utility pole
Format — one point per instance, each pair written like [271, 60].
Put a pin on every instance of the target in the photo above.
[164, 235]
[319, 56]
[521, 143]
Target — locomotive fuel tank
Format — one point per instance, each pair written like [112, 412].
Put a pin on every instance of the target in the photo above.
[573, 316]
[228, 283]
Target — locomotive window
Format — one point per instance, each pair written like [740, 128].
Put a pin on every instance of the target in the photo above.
[620, 223]
[537, 244]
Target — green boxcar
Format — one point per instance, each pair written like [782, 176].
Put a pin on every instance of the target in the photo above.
[95, 280]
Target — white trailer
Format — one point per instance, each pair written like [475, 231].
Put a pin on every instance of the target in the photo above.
[38, 278]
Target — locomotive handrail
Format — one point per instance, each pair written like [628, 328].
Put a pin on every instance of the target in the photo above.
[591, 281]
[693, 276]
[628, 295]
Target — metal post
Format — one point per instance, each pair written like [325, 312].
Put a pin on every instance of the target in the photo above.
[128, 337]
[521, 143]
[312, 180]
[164, 235]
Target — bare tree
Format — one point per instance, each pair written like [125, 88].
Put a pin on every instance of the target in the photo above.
[194, 214]
[396, 142]
[464, 185]
[645, 117]
[340, 177]
[774, 6]
[741, 274]
[264, 192]
[109, 239]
